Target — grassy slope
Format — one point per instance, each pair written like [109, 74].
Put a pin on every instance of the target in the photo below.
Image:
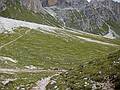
[46, 51]
[97, 37]
[93, 73]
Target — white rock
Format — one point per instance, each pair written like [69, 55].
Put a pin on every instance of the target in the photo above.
[7, 59]
[30, 67]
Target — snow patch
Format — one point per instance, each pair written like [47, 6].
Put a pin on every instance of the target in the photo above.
[111, 35]
[88, 0]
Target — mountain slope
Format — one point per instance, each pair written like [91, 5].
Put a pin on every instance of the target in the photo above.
[98, 74]
[13, 9]
[93, 17]
[97, 17]
[43, 51]
[59, 44]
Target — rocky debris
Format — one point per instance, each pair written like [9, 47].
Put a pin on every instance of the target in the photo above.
[52, 82]
[30, 67]
[103, 86]
[41, 84]
[6, 81]
[2, 5]
[7, 59]
[34, 5]
[10, 24]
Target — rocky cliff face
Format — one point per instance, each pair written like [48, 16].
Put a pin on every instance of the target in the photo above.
[71, 3]
[92, 17]
[34, 5]
[110, 5]
[109, 13]
[52, 2]
[98, 16]
[2, 5]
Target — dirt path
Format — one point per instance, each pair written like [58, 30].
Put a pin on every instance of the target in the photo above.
[41, 84]
[96, 41]
[90, 39]
[14, 40]
[5, 70]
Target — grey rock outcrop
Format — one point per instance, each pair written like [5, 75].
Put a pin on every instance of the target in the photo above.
[2, 5]
[90, 17]
[34, 5]
[94, 17]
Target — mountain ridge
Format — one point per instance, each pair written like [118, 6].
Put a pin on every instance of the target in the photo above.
[97, 17]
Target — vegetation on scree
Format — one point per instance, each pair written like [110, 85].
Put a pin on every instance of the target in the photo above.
[96, 74]
[20, 81]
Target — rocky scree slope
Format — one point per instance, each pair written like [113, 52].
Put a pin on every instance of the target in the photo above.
[100, 17]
